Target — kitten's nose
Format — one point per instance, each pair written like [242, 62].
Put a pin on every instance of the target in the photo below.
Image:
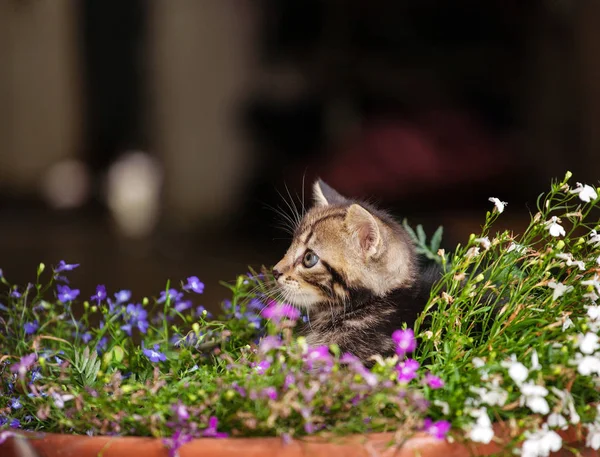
[277, 273]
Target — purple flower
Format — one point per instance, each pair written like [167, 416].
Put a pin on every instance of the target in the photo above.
[211, 430]
[154, 355]
[137, 317]
[290, 379]
[15, 423]
[100, 294]
[183, 305]
[178, 439]
[62, 266]
[15, 294]
[102, 344]
[433, 381]
[172, 295]
[181, 411]
[358, 367]
[23, 365]
[15, 403]
[405, 341]
[268, 343]
[122, 296]
[194, 284]
[3, 308]
[31, 327]
[407, 370]
[270, 392]
[86, 337]
[66, 294]
[437, 429]
[277, 311]
[318, 354]
[200, 312]
[262, 366]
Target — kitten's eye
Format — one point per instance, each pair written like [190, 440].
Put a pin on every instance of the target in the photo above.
[310, 259]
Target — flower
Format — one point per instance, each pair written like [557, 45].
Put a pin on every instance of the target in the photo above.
[568, 258]
[318, 355]
[122, 296]
[59, 400]
[586, 365]
[535, 361]
[518, 248]
[194, 284]
[262, 366]
[588, 343]
[181, 411]
[30, 327]
[183, 305]
[540, 443]
[492, 396]
[593, 312]
[559, 289]
[405, 341]
[154, 355]
[62, 266]
[586, 193]
[211, 430]
[278, 311]
[65, 294]
[100, 294]
[178, 439]
[485, 242]
[138, 317]
[407, 370]
[482, 432]
[437, 429]
[516, 370]
[554, 227]
[557, 420]
[23, 365]
[172, 295]
[15, 293]
[498, 204]
[592, 439]
[533, 396]
[268, 343]
[568, 323]
[594, 282]
[15, 403]
[594, 239]
[433, 382]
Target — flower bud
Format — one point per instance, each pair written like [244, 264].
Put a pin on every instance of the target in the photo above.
[41, 268]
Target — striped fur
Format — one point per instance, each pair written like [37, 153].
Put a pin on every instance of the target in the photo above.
[367, 281]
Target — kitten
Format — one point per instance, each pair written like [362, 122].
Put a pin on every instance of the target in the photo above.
[355, 270]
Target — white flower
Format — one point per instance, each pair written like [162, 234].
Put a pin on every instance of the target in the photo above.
[598, 260]
[559, 289]
[485, 242]
[557, 420]
[541, 443]
[533, 396]
[588, 343]
[586, 193]
[478, 362]
[593, 312]
[554, 227]
[535, 361]
[516, 247]
[444, 406]
[568, 323]
[472, 252]
[493, 396]
[570, 261]
[516, 370]
[593, 435]
[59, 400]
[592, 282]
[568, 404]
[593, 296]
[594, 238]
[586, 365]
[482, 432]
[499, 204]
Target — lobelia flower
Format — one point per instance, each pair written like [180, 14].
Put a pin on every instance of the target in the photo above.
[183, 305]
[154, 355]
[535, 361]
[194, 284]
[59, 400]
[23, 365]
[541, 443]
[211, 430]
[270, 393]
[278, 311]
[533, 396]
[172, 295]
[15, 403]
[357, 366]
[15, 423]
[482, 431]
[556, 420]
[568, 258]
[518, 248]
[484, 242]
[15, 293]
[588, 343]
[86, 337]
[100, 294]
[138, 317]
[593, 312]
[262, 366]
[594, 239]
[498, 204]
[318, 355]
[592, 439]
[437, 429]
[568, 323]
[66, 294]
[181, 411]
[178, 439]
[516, 370]
[405, 341]
[63, 266]
[559, 289]
[586, 365]
[554, 227]
[407, 370]
[433, 382]
[268, 343]
[30, 327]
[586, 193]
[594, 282]
[568, 404]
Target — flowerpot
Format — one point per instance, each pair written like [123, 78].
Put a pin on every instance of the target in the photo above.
[376, 444]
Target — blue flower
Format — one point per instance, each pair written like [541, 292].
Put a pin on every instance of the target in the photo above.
[24, 364]
[122, 296]
[15, 423]
[86, 337]
[66, 294]
[183, 305]
[15, 403]
[15, 294]
[172, 295]
[3, 308]
[100, 294]
[62, 266]
[194, 284]
[154, 355]
[30, 327]
[35, 375]
[102, 344]
[200, 312]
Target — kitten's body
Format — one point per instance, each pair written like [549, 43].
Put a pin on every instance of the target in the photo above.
[366, 280]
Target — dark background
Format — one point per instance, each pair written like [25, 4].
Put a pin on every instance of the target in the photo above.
[427, 107]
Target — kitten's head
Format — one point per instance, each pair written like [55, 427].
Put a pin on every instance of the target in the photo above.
[339, 246]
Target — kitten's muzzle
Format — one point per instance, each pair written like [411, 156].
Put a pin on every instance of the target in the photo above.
[277, 274]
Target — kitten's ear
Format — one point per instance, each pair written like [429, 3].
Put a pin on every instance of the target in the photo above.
[325, 195]
[365, 228]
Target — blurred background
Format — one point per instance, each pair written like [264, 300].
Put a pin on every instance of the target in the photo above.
[147, 139]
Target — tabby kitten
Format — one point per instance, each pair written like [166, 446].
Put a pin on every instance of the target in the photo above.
[354, 269]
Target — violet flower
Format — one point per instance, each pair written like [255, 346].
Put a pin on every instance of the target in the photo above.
[174, 442]
[437, 429]
[100, 294]
[181, 411]
[194, 284]
[211, 430]
[407, 370]
[433, 382]
[15, 293]
[66, 294]
[172, 295]
[278, 311]
[62, 266]
[31, 327]
[268, 343]
[23, 365]
[318, 355]
[262, 367]
[405, 341]
[154, 355]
